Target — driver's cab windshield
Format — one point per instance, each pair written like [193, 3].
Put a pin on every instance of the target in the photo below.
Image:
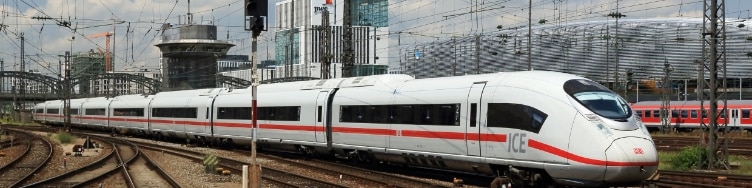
[598, 99]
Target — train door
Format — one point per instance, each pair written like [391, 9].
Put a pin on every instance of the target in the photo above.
[734, 119]
[474, 112]
[321, 118]
[209, 115]
[148, 117]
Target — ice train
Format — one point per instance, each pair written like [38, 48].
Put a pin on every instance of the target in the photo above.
[536, 127]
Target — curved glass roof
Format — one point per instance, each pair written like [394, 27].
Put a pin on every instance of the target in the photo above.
[587, 49]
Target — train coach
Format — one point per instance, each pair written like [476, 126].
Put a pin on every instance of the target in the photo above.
[686, 115]
[536, 127]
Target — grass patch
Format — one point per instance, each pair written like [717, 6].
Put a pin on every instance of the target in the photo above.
[65, 137]
[690, 157]
[743, 164]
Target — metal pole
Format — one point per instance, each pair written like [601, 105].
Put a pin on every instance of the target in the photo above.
[288, 67]
[685, 89]
[256, 176]
[22, 87]
[67, 92]
[348, 58]
[454, 51]
[2, 79]
[477, 54]
[617, 82]
[529, 33]
[637, 98]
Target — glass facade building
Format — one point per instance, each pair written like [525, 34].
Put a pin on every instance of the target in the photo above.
[370, 13]
[589, 49]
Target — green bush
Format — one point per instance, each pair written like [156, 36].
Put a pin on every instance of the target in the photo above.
[690, 157]
[64, 137]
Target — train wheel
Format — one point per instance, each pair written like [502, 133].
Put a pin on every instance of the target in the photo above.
[501, 182]
[365, 157]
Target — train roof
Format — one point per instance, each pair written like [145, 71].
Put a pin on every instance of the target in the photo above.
[657, 104]
[134, 96]
[193, 92]
[392, 81]
[375, 80]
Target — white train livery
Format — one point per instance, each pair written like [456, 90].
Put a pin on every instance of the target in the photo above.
[536, 127]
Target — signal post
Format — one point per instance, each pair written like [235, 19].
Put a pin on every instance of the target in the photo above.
[254, 21]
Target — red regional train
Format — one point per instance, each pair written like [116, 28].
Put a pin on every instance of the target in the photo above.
[686, 115]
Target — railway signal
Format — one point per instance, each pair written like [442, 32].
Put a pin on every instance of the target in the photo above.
[255, 14]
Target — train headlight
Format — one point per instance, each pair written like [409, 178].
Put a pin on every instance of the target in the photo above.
[600, 125]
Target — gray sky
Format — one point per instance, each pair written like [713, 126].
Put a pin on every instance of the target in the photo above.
[424, 20]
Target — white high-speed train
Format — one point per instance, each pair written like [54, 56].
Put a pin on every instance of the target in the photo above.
[537, 127]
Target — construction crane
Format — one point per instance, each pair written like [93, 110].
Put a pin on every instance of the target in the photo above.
[107, 59]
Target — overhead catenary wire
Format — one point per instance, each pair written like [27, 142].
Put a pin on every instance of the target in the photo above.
[438, 30]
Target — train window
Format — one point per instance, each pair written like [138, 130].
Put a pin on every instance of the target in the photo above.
[704, 113]
[404, 114]
[425, 115]
[473, 114]
[175, 112]
[346, 113]
[674, 113]
[419, 114]
[74, 111]
[95, 111]
[39, 111]
[318, 115]
[639, 113]
[242, 113]
[647, 113]
[279, 113]
[515, 116]
[53, 111]
[684, 113]
[598, 99]
[377, 114]
[722, 113]
[693, 114]
[745, 113]
[128, 112]
[448, 114]
[656, 113]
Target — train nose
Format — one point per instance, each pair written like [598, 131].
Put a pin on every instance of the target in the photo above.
[631, 160]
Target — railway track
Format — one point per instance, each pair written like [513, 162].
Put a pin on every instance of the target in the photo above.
[270, 176]
[372, 176]
[83, 173]
[114, 163]
[38, 151]
[736, 146]
[365, 177]
[667, 178]
[136, 169]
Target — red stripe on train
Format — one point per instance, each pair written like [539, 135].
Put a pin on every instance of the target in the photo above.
[574, 157]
